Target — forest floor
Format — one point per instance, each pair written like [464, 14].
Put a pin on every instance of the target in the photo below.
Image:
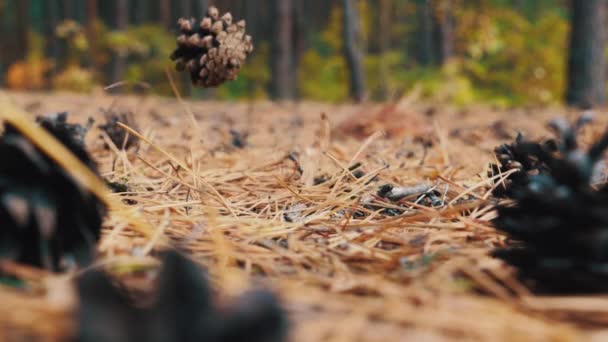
[348, 264]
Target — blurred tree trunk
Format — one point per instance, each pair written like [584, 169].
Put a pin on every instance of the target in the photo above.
[119, 63]
[200, 8]
[165, 13]
[139, 11]
[91, 17]
[444, 30]
[587, 62]
[352, 50]
[181, 8]
[424, 12]
[385, 18]
[68, 9]
[80, 11]
[283, 80]
[91, 31]
[3, 46]
[53, 48]
[299, 40]
[23, 9]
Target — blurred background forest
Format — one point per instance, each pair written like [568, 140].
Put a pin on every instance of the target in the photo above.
[503, 52]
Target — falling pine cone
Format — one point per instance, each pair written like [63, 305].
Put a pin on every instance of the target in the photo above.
[559, 220]
[212, 50]
[119, 136]
[46, 217]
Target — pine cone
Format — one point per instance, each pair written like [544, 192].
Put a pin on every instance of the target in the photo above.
[522, 156]
[213, 50]
[119, 136]
[559, 219]
[46, 216]
[183, 311]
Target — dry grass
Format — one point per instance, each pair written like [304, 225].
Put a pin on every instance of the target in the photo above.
[423, 275]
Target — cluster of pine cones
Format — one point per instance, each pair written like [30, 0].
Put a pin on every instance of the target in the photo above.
[212, 50]
[558, 219]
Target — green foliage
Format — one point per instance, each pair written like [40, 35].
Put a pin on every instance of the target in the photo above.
[323, 78]
[504, 55]
[74, 78]
[513, 60]
[147, 47]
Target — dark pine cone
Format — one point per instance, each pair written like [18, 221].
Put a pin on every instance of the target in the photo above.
[119, 136]
[522, 156]
[183, 311]
[559, 219]
[212, 50]
[46, 217]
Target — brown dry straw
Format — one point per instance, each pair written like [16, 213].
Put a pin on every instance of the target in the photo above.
[346, 269]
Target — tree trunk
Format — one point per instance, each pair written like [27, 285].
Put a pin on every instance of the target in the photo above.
[283, 80]
[424, 12]
[352, 50]
[444, 30]
[200, 8]
[80, 11]
[91, 16]
[586, 63]
[53, 49]
[181, 9]
[385, 24]
[3, 47]
[91, 22]
[139, 11]
[299, 40]
[165, 13]
[119, 64]
[23, 27]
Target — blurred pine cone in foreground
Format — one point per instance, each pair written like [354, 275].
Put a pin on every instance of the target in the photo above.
[182, 312]
[212, 50]
[47, 218]
[559, 218]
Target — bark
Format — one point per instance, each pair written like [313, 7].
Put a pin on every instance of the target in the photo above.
[299, 39]
[91, 21]
[352, 50]
[165, 13]
[283, 80]
[200, 8]
[426, 55]
[587, 62]
[80, 11]
[139, 11]
[3, 48]
[68, 9]
[444, 30]
[119, 64]
[181, 8]
[91, 15]
[383, 43]
[53, 48]
[22, 27]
